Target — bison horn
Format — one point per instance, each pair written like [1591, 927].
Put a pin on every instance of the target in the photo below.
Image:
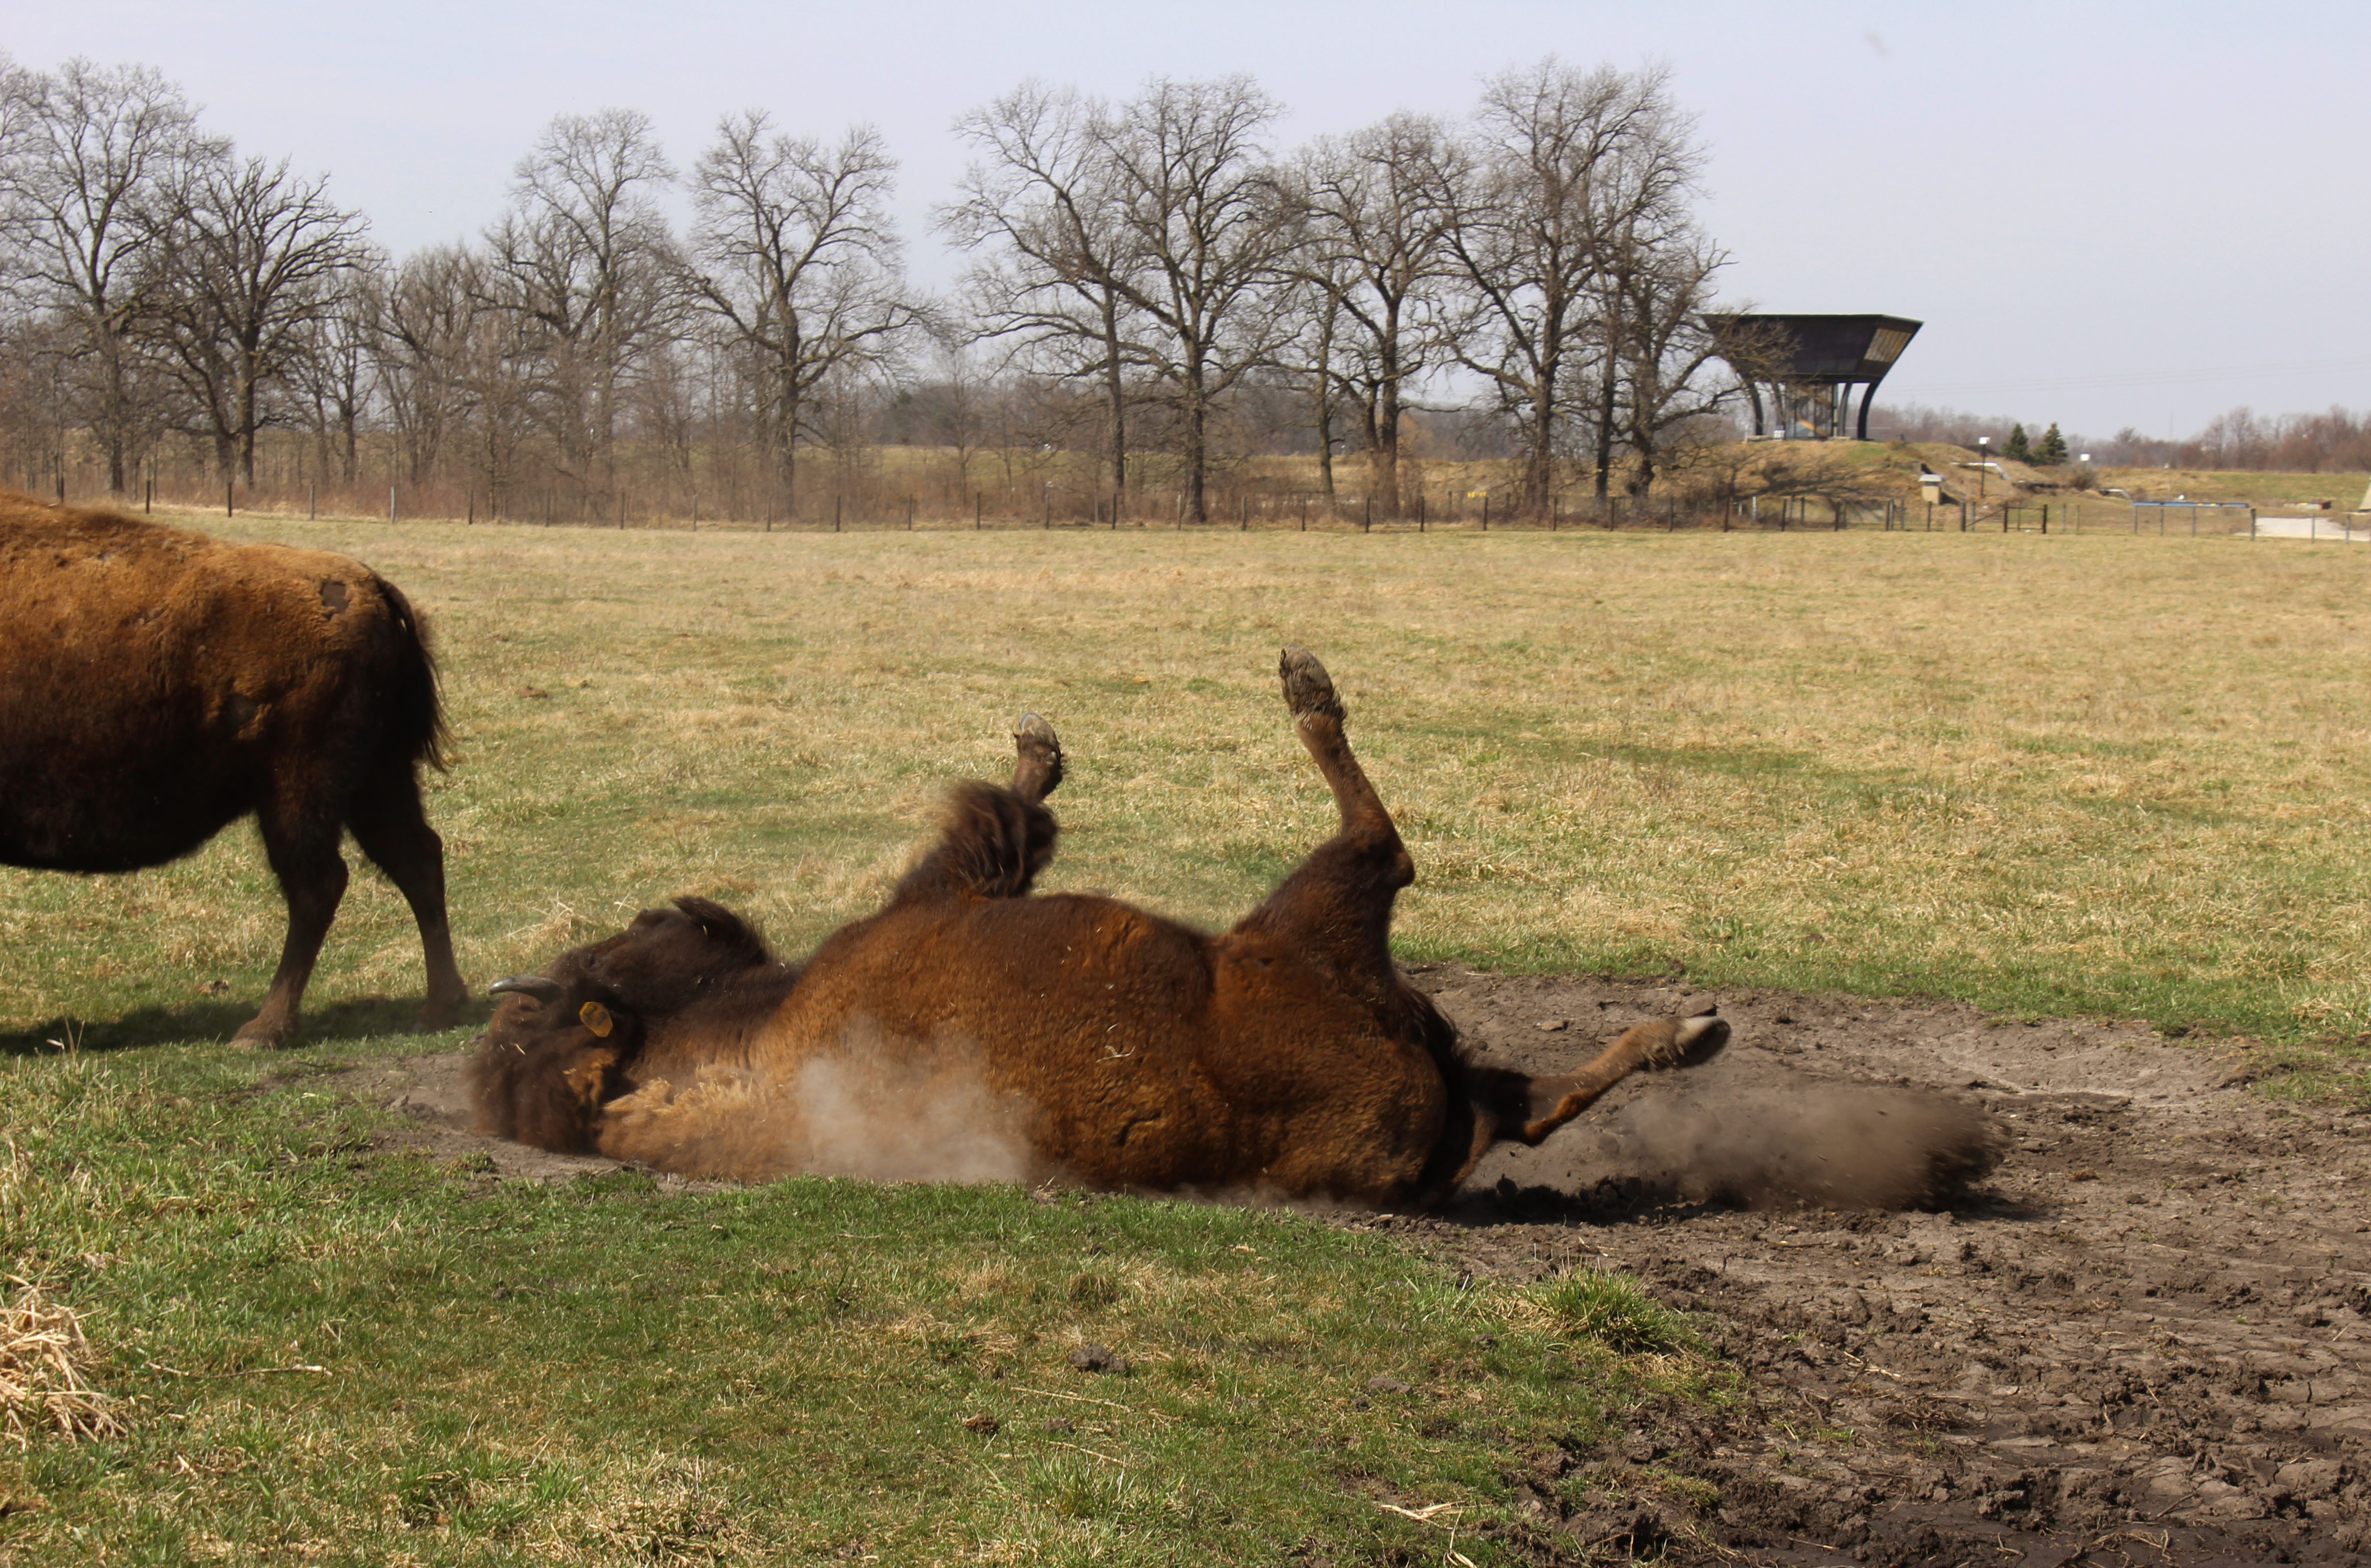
[536, 986]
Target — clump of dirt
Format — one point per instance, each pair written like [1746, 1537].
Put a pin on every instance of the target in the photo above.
[2143, 1337]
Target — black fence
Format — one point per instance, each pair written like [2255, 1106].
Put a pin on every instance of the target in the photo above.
[1475, 511]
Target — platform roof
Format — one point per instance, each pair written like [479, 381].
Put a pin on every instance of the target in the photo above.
[1811, 350]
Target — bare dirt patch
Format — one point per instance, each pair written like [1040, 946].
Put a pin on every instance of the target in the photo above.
[2146, 1338]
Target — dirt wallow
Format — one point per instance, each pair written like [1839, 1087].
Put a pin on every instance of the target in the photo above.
[2144, 1338]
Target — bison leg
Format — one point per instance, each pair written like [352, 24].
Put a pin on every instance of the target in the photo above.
[304, 856]
[1338, 906]
[391, 828]
[1549, 1103]
[993, 840]
[1037, 764]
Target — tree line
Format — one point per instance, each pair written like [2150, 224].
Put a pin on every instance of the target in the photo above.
[2335, 441]
[1153, 289]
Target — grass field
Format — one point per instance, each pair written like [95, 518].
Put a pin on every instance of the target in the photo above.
[2066, 776]
[2051, 776]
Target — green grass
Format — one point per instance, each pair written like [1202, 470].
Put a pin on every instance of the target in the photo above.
[327, 1356]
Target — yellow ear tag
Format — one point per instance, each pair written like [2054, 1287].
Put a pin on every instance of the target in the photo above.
[597, 1018]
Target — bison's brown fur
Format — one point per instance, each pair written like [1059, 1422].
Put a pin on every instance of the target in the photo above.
[1128, 1050]
[155, 685]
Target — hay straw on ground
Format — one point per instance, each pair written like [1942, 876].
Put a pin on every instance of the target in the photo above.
[42, 1352]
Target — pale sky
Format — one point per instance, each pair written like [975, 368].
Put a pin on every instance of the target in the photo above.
[2105, 214]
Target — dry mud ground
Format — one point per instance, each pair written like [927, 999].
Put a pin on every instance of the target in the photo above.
[2143, 1338]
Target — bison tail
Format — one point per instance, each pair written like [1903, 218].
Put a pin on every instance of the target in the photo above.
[415, 730]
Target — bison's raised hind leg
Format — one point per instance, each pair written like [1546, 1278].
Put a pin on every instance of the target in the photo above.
[390, 828]
[1318, 718]
[1037, 769]
[1337, 907]
[1666, 1043]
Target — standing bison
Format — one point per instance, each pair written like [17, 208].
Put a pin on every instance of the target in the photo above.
[156, 685]
[1110, 1046]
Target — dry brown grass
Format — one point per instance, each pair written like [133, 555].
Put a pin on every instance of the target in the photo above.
[43, 1355]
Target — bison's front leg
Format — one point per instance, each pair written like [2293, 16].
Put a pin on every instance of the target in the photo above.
[994, 839]
[1037, 754]
[1336, 906]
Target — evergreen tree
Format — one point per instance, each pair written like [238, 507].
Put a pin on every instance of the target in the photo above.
[2017, 450]
[2052, 450]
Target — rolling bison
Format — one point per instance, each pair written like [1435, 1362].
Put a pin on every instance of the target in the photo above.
[156, 685]
[1111, 1046]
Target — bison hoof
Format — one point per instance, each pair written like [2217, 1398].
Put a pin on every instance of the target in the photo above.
[1684, 1041]
[440, 1013]
[266, 1033]
[1040, 768]
[1308, 689]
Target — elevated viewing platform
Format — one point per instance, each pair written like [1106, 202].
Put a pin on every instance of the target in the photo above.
[1809, 365]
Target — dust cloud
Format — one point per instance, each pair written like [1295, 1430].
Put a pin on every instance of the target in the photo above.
[1797, 1142]
[1842, 1146]
[906, 1121]
[877, 1107]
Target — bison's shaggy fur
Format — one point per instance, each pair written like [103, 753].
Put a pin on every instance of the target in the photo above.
[1116, 1047]
[156, 685]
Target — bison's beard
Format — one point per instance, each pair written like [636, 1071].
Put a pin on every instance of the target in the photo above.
[876, 1106]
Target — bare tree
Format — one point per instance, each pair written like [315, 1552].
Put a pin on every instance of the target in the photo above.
[1666, 354]
[1372, 261]
[585, 258]
[1056, 275]
[424, 320]
[1567, 162]
[92, 153]
[955, 405]
[1204, 214]
[797, 258]
[252, 261]
[335, 369]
